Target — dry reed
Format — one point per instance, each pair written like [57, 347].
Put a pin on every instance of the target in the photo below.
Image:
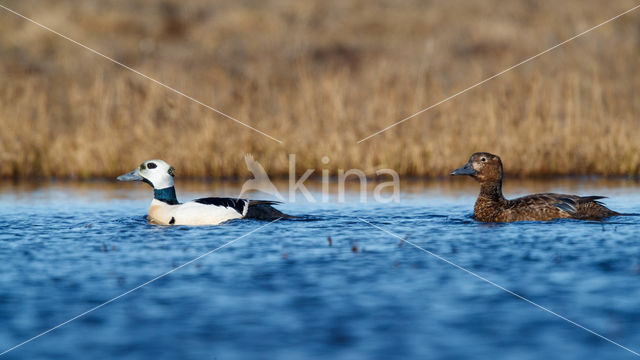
[319, 76]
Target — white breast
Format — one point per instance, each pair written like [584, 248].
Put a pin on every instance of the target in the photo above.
[190, 213]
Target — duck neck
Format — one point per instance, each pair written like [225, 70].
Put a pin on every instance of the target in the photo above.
[492, 191]
[166, 195]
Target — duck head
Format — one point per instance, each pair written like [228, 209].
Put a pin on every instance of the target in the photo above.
[156, 173]
[482, 166]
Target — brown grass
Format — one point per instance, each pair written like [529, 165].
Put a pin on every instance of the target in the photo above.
[319, 76]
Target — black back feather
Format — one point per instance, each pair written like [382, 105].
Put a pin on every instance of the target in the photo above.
[237, 204]
[264, 210]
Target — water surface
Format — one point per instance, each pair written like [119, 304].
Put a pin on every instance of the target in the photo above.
[285, 291]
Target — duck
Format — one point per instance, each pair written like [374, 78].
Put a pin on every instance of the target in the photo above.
[491, 205]
[165, 209]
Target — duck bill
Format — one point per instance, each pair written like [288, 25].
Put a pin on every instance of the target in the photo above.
[131, 176]
[465, 170]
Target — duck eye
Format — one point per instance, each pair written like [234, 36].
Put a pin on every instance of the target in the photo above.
[482, 159]
[151, 165]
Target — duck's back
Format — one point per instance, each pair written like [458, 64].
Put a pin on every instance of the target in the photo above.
[207, 211]
[548, 206]
[201, 212]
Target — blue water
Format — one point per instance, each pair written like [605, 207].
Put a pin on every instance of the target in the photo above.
[284, 291]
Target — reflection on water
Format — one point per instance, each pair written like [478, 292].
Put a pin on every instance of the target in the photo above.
[286, 291]
[447, 187]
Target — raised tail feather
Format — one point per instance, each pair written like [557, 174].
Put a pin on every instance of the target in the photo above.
[591, 208]
[264, 210]
[585, 199]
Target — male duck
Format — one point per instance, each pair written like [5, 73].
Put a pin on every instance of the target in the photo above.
[166, 210]
[491, 205]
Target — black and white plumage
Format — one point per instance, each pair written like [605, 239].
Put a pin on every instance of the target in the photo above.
[165, 208]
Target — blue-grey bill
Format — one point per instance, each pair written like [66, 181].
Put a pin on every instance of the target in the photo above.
[465, 170]
[131, 176]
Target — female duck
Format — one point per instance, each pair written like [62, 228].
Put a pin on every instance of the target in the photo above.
[166, 210]
[491, 206]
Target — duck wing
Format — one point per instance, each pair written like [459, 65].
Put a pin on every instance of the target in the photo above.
[251, 209]
[573, 205]
[589, 208]
[239, 205]
[543, 206]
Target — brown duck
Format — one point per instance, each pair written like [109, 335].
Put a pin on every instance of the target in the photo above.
[491, 205]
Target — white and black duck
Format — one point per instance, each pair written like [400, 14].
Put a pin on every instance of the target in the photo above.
[165, 208]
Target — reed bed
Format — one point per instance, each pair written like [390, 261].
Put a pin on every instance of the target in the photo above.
[319, 76]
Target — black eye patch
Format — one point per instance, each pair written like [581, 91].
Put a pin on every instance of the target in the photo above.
[151, 166]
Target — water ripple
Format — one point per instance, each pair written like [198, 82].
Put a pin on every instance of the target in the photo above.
[324, 285]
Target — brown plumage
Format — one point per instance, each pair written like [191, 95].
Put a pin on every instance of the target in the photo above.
[491, 206]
